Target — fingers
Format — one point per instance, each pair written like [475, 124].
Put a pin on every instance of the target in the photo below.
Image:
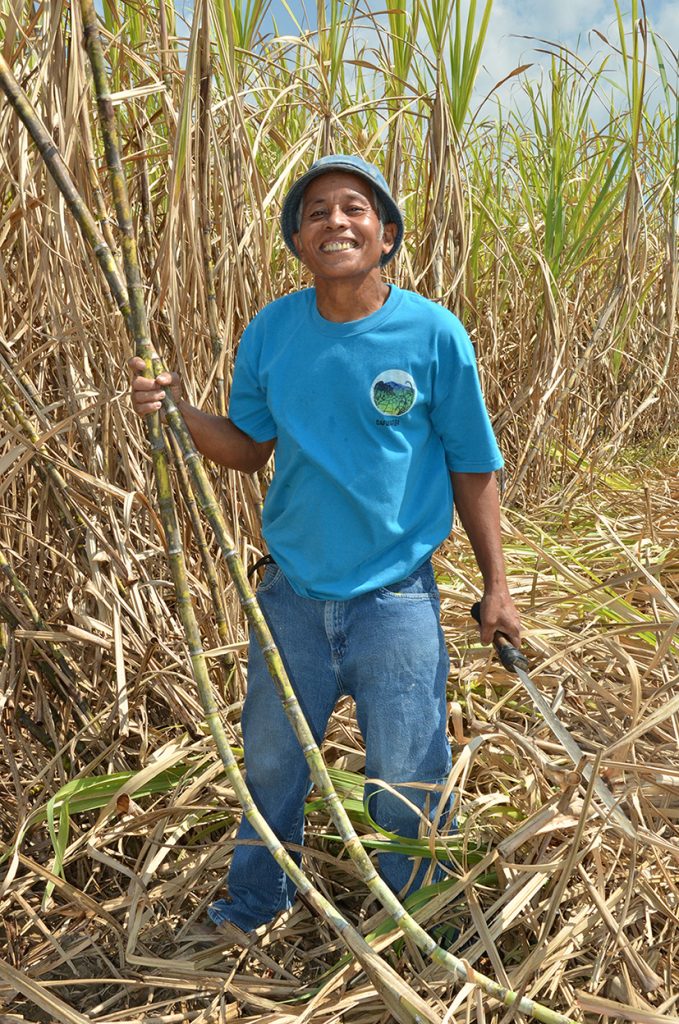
[138, 367]
[513, 634]
[500, 616]
[508, 629]
[147, 393]
[486, 633]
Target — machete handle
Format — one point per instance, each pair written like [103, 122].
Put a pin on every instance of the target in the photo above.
[509, 655]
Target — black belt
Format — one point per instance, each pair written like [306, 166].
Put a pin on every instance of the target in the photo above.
[260, 563]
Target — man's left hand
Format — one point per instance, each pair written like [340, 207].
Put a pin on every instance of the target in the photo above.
[499, 614]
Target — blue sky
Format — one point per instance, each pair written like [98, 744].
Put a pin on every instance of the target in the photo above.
[568, 22]
[571, 23]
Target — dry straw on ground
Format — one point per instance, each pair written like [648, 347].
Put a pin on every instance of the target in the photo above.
[557, 246]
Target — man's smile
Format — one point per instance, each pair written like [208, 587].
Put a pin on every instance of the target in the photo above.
[338, 245]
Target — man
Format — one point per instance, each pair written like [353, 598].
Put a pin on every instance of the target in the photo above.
[370, 397]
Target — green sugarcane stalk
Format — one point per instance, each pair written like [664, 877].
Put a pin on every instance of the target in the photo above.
[405, 1004]
[87, 143]
[221, 621]
[210, 506]
[314, 758]
[205, 218]
[145, 193]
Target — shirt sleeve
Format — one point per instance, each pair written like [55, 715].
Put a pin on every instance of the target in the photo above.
[459, 414]
[248, 407]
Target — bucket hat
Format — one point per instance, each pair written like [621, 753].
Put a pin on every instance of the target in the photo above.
[352, 165]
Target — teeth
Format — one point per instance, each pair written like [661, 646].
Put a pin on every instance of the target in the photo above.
[337, 246]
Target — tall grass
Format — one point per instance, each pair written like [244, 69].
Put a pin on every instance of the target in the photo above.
[531, 229]
[553, 235]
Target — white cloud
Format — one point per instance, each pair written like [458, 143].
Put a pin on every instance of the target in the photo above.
[666, 23]
[570, 24]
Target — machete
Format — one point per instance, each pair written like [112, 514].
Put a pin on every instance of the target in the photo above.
[514, 661]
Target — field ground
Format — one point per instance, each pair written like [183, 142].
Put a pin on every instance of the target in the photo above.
[555, 900]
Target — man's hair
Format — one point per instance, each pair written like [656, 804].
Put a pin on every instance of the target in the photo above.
[378, 206]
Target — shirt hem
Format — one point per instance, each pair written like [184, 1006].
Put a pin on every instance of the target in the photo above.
[475, 467]
[266, 436]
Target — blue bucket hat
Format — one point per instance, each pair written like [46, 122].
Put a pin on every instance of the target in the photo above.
[352, 165]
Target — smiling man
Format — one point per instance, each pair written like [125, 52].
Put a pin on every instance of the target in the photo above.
[370, 396]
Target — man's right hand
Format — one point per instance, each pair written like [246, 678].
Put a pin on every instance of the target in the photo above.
[216, 437]
[147, 394]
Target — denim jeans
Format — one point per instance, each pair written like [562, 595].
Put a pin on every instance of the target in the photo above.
[386, 650]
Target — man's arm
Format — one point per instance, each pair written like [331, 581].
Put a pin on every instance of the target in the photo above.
[478, 506]
[221, 441]
[215, 437]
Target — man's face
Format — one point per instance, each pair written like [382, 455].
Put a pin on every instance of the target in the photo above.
[340, 235]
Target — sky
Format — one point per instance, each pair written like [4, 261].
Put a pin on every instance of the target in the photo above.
[567, 22]
[514, 31]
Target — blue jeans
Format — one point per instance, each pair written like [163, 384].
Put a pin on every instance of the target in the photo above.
[385, 649]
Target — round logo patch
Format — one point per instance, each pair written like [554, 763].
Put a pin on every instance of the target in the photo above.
[393, 393]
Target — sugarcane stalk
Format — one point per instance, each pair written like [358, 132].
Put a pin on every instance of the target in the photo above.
[221, 621]
[205, 206]
[97, 194]
[318, 770]
[62, 177]
[210, 507]
[145, 193]
[87, 143]
[403, 1002]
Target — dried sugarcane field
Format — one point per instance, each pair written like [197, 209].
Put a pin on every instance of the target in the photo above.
[143, 161]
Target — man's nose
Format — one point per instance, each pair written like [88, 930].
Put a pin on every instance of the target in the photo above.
[336, 216]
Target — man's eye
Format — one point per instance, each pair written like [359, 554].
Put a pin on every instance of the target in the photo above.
[356, 209]
[316, 214]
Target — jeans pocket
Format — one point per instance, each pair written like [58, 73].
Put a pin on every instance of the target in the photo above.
[272, 574]
[420, 585]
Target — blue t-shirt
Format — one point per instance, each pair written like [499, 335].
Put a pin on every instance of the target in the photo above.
[370, 417]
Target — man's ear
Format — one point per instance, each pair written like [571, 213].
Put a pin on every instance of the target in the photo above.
[388, 237]
[295, 241]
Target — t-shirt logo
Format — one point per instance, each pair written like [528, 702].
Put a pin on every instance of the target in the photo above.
[393, 392]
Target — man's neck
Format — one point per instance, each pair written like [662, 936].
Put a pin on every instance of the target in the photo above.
[343, 301]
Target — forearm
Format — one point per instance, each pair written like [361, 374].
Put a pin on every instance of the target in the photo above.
[478, 507]
[221, 441]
